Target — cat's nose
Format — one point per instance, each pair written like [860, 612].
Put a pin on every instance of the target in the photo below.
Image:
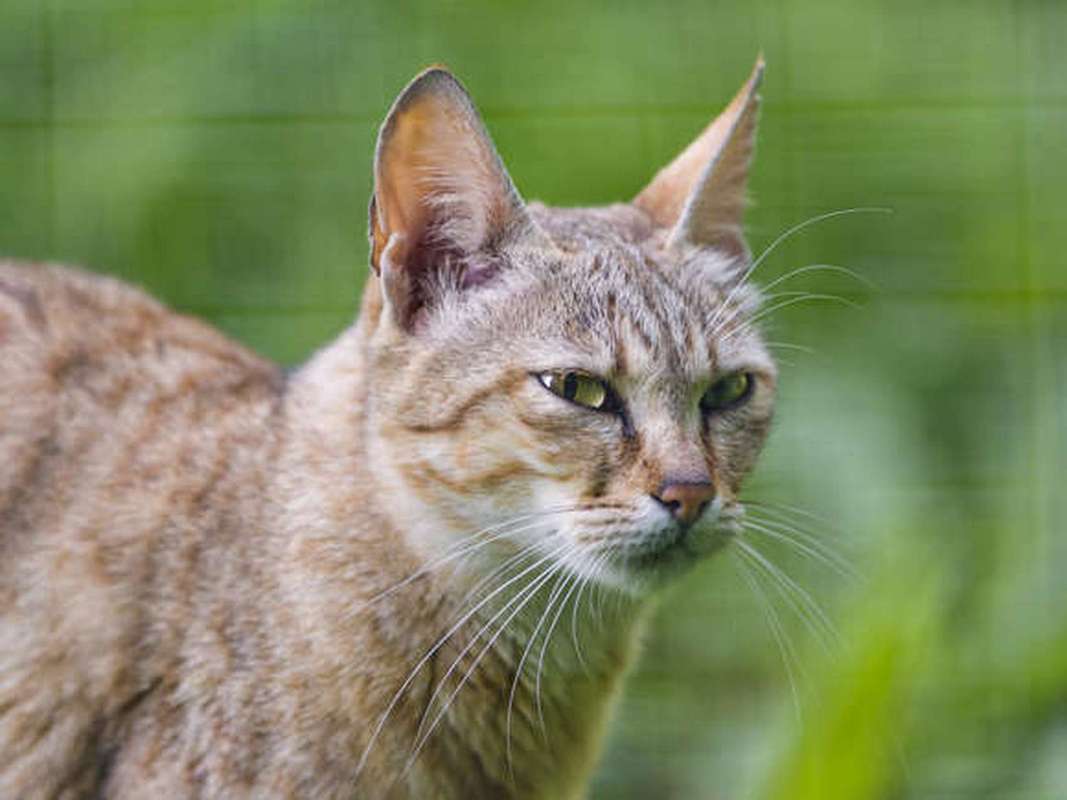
[686, 501]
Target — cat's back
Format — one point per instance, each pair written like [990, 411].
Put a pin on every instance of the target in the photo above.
[131, 443]
[76, 319]
[90, 370]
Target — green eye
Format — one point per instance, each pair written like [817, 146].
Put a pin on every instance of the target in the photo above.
[579, 388]
[729, 391]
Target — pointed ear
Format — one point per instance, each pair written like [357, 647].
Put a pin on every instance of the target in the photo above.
[700, 195]
[442, 198]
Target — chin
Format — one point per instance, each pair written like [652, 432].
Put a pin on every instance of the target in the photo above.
[654, 562]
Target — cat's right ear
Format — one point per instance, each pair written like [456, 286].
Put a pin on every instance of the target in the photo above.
[442, 199]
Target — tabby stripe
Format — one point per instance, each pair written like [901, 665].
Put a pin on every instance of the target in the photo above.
[422, 473]
[456, 415]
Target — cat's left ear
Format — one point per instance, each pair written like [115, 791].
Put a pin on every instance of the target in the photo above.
[443, 201]
[700, 195]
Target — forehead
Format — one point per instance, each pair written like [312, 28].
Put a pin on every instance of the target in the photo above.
[627, 309]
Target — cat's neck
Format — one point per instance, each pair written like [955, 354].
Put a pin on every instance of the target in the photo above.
[464, 678]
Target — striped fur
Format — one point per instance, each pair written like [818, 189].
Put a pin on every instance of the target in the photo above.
[219, 582]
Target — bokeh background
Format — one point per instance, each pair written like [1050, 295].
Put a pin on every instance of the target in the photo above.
[218, 153]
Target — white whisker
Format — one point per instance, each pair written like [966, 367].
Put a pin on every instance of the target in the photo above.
[793, 273]
[496, 615]
[583, 585]
[514, 560]
[781, 636]
[785, 508]
[430, 653]
[466, 546]
[544, 648]
[560, 583]
[763, 313]
[789, 346]
[795, 539]
[522, 598]
[764, 301]
[782, 237]
[778, 517]
[802, 603]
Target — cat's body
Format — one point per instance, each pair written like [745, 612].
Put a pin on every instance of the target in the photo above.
[220, 581]
[175, 600]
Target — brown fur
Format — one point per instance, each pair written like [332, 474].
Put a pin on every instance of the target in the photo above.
[217, 582]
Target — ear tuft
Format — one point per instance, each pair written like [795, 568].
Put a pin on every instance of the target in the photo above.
[441, 192]
[700, 195]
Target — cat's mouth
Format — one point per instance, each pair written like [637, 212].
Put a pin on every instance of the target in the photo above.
[677, 547]
[647, 551]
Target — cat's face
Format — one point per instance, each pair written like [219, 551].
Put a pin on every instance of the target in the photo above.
[575, 386]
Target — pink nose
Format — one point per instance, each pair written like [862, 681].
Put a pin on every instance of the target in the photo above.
[686, 501]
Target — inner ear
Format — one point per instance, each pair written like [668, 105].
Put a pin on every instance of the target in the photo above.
[415, 273]
[443, 203]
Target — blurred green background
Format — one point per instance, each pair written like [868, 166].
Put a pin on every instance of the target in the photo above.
[218, 153]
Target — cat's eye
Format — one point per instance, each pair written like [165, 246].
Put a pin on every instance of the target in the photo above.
[579, 388]
[727, 392]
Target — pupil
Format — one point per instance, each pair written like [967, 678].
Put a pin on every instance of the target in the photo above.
[570, 385]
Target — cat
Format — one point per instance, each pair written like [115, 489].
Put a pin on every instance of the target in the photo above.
[371, 577]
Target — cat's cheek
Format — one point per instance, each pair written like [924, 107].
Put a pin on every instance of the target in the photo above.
[567, 438]
[738, 454]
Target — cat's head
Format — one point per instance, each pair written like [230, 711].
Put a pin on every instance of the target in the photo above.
[581, 385]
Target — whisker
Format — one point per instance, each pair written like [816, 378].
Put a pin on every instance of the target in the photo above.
[544, 647]
[465, 546]
[430, 653]
[763, 313]
[556, 590]
[798, 598]
[716, 325]
[523, 554]
[596, 601]
[523, 598]
[789, 346]
[474, 639]
[781, 636]
[782, 237]
[785, 508]
[796, 540]
[587, 581]
[583, 585]
[779, 519]
[606, 592]
[768, 306]
[793, 273]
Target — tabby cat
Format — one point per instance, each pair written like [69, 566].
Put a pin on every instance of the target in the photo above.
[371, 578]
